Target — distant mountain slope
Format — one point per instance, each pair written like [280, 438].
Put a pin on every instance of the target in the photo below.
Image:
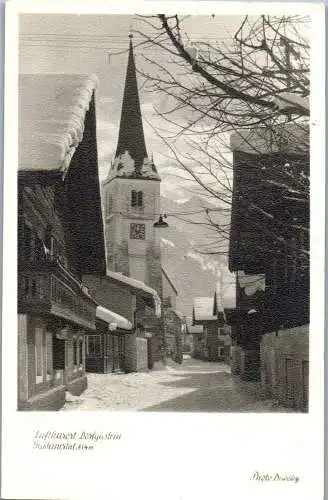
[192, 273]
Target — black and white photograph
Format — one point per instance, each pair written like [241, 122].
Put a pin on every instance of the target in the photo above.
[163, 213]
[163, 262]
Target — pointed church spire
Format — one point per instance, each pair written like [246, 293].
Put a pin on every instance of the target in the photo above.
[131, 136]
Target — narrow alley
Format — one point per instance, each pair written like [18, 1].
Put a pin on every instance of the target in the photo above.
[193, 386]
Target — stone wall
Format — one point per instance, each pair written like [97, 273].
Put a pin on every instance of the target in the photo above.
[285, 366]
[136, 354]
[145, 316]
[130, 353]
[142, 354]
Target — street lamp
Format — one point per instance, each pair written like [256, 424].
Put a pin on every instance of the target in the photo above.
[161, 223]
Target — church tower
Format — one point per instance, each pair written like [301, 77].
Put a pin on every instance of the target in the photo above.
[131, 195]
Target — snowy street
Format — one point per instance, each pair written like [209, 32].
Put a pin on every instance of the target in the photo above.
[193, 386]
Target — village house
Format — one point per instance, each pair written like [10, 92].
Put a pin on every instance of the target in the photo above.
[203, 315]
[196, 332]
[222, 310]
[134, 325]
[59, 237]
[104, 349]
[187, 339]
[269, 243]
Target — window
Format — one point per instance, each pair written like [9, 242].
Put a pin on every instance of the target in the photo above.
[33, 287]
[38, 355]
[136, 198]
[94, 346]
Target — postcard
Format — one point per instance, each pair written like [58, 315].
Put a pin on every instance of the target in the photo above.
[163, 251]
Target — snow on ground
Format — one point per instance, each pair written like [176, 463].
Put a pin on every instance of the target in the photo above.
[193, 386]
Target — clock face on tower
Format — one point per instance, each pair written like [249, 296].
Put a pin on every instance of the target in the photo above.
[137, 231]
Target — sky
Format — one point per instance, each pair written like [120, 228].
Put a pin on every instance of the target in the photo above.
[65, 43]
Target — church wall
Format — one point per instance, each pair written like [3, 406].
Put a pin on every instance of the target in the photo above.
[135, 257]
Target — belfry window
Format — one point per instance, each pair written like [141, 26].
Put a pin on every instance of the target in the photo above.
[136, 198]
[139, 199]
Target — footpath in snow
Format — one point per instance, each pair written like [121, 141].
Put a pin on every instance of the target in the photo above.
[193, 386]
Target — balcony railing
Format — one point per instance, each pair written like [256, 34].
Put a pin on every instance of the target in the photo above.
[48, 287]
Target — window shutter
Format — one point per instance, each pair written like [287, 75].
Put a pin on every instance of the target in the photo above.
[134, 198]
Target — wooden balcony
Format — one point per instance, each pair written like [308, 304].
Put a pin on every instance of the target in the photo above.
[50, 288]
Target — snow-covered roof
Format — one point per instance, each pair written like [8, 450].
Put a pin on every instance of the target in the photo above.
[52, 110]
[229, 302]
[251, 283]
[124, 166]
[224, 301]
[203, 309]
[195, 329]
[292, 101]
[113, 318]
[287, 138]
[139, 286]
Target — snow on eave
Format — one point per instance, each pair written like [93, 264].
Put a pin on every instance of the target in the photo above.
[287, 138]
[203, 309]
[123, 167]
[205, 318]
[195, 329]
[112, 318]
[138, 286]
[251, 283]
[295, 102]
[52, 109]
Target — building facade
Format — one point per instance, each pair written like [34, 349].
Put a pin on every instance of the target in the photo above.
[269, 247]
[213, 340]
[59, 238]
[105, 348]
[137, 316]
